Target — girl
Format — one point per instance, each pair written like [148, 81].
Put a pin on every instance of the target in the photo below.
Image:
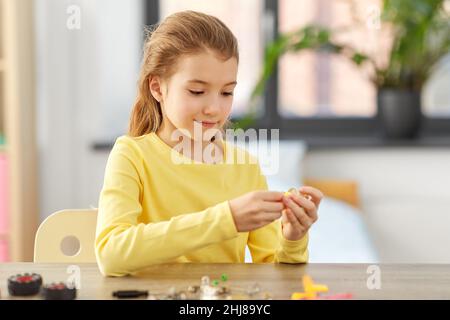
[153, 210]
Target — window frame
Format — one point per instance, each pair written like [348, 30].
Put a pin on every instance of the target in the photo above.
[304, 128]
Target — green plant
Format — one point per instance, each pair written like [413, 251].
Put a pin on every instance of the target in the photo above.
[420, 38]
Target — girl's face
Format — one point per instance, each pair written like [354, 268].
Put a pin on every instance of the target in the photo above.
[199, 93]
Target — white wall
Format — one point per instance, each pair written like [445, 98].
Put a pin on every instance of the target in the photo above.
[86, 86]
[405, 197]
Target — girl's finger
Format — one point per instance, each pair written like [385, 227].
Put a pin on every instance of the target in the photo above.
[316, 194]
[271, 195]
[301, 215]
[293, 219]
[271, 216]
[307, 205]
[303, 202]
[272, 206]
[284, 218]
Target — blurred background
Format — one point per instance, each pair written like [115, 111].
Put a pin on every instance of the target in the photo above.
[360, 91]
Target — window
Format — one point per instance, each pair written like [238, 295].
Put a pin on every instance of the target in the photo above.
[312, 84]
[314, 94]
[436, 93]
[325, 85]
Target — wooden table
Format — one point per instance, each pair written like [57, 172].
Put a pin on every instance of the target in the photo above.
[404, 281]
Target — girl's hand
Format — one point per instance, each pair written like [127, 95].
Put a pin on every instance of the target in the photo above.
[255, 209]
[300, 213]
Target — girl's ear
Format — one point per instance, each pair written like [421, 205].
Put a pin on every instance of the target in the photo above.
[154, 83]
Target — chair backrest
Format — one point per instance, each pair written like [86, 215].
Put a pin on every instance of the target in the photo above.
[66, 236]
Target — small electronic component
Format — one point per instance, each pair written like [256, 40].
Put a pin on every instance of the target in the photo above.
[296, 192]
[24, 284]
[59, 291]
[212, 290]
[127, 294]
[208, 291]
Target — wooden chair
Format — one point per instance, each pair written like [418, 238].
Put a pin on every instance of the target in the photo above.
[66, 236]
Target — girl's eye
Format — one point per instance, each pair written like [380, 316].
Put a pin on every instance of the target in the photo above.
[197, 93]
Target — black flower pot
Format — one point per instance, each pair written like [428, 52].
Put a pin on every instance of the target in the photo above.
[399, 112]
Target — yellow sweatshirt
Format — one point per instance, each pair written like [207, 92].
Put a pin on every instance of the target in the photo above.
[152, 210]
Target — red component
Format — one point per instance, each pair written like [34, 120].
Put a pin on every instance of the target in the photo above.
[338, 296]
[58, 286]
[24, 279]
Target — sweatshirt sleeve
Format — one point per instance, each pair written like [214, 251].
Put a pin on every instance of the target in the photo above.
[123, 245]
[267, 244]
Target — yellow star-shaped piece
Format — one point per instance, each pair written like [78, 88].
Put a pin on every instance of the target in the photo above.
[311, 289]
[303, 295]
[310, 286]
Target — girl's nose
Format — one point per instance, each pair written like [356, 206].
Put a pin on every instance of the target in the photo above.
[211, 110]
[213, 107]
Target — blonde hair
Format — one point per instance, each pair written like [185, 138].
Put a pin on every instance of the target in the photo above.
[181, 33]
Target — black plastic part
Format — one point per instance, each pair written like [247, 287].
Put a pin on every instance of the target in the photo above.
[124, 294]
[24, 284]
[59, 291]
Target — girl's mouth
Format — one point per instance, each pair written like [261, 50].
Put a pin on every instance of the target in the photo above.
[207, 124]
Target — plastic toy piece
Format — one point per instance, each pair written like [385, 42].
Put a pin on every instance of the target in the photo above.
[59, 291]
[310, 286]
[312, 289]
[290, 191]
[338, 296]
[296, 192]
[303, 295]
[313, 296]
[24, 284]
[211, 290]
[126, 294]
[253, 289]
